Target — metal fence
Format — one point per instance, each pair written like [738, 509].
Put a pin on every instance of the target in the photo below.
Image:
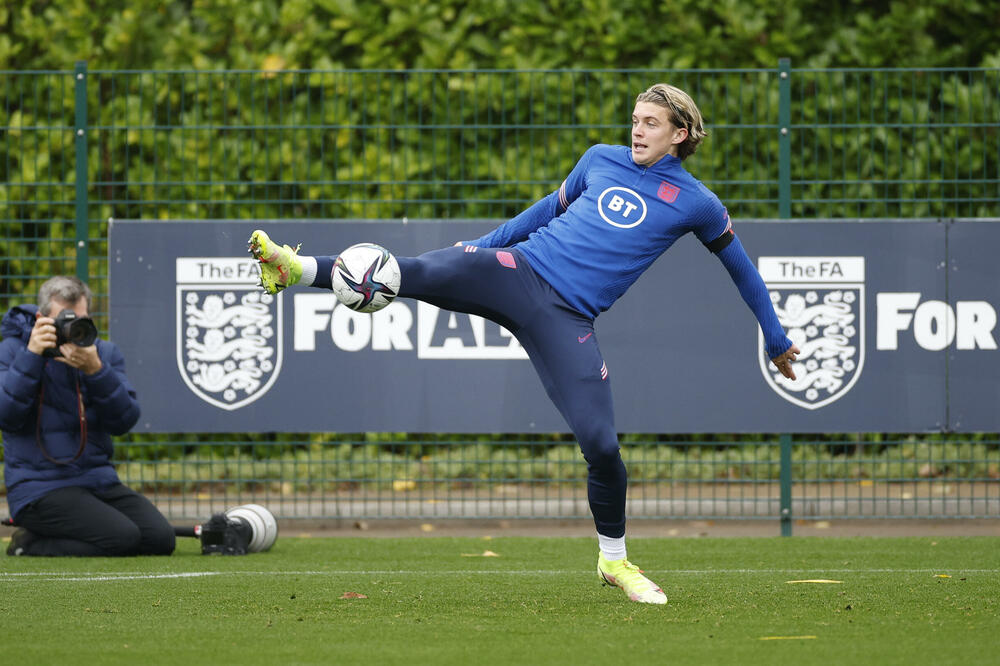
[83, 146]
[343, 482]
[80, 147]
[781, 479]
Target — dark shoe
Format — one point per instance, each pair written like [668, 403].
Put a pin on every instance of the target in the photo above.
[19, 542]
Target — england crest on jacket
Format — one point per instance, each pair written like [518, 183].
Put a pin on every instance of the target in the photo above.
[229, 332]
[820, 302]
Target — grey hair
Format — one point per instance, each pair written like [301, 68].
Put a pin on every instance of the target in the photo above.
[683, 113]
[63, 288]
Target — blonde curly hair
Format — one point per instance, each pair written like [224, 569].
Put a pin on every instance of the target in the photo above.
[683, 112]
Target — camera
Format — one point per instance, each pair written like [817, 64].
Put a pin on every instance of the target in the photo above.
[224, 535]
[70, 327]
[248, 528]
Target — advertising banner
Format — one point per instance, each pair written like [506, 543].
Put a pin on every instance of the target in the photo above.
[896, 321]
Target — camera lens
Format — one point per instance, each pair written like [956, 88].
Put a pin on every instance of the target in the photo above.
[82, 332]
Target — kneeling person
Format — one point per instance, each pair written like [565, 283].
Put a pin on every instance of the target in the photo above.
[60, 403]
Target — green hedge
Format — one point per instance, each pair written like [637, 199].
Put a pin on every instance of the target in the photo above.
[336, 467]
[488, 34]
[311, 463]
[216, 141]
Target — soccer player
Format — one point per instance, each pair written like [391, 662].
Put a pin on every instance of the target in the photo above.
[547, 273]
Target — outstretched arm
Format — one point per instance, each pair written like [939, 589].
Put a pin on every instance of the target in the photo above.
[730, 251]
[541, 212]
[520, 227]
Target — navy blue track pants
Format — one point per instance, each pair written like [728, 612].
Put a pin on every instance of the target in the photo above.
[499, 285]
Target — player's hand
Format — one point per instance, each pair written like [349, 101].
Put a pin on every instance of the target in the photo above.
[784, 362]
[81, 358]
[43, 335]
[457, 244]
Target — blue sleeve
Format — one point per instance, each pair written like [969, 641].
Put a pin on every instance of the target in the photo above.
[754, 292]
[519, 228]
[110, 393]
[541, 212]
[711, 220]
[20, 377]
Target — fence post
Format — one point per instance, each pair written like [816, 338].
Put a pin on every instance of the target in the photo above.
[785, 476]
[784, 138]
[80, 137]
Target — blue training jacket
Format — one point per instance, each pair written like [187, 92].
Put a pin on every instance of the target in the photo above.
[110, 405]
[611, 218]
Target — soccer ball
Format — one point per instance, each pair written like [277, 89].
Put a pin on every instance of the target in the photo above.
[365, 277]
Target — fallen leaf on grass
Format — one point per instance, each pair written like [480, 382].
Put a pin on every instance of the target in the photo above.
[353, 595]
[485, 553]
[813, 580]
[942, 576]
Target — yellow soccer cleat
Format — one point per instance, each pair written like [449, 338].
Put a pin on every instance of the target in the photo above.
[624, 574]
[279, 267]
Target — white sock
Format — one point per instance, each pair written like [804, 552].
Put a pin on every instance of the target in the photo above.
[308, 271]
[612, 547]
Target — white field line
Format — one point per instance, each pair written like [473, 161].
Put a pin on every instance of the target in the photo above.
[10, 577]
[113, 576]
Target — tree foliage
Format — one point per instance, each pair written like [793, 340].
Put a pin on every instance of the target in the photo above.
[473, 108]
[489, 34]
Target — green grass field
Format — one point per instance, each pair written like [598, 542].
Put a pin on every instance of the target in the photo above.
[438, 600]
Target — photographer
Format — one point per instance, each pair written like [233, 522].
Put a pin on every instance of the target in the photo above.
[63, 394]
